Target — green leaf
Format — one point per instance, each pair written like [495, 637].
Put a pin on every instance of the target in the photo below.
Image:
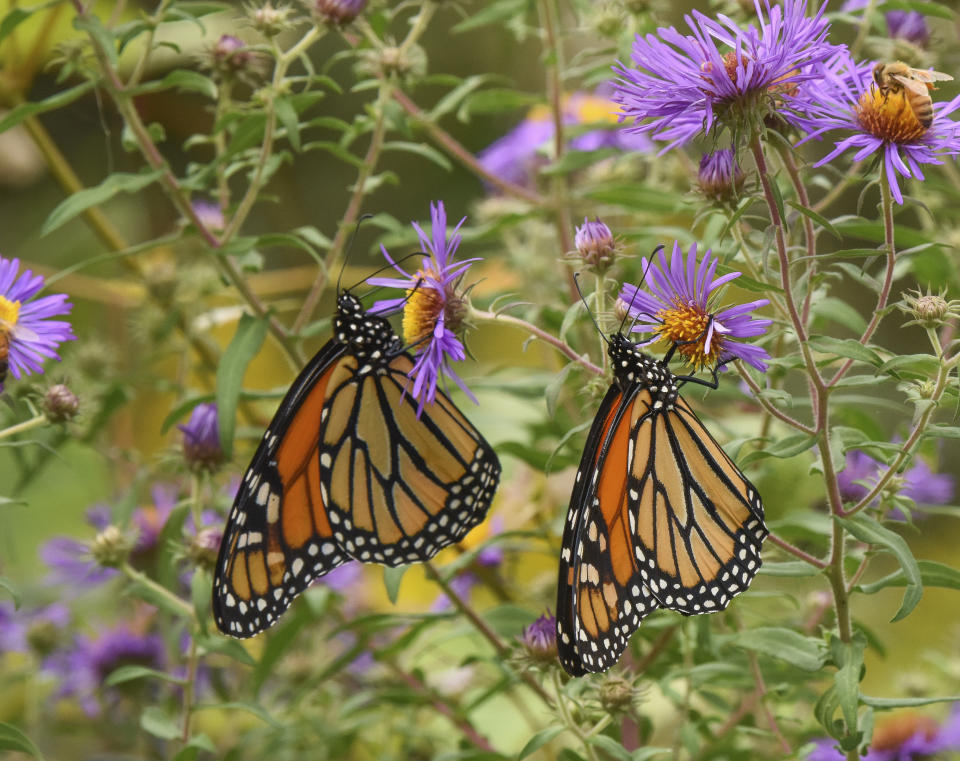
[491, 13]
[243, 347]
[824, 710]
[883, 703]
[11, 738]
[574, 160]
[611, 747]
[941, 431]
[784, 448]
[25, 110]
[791, 568]
[120, 182]
[932, 574]
[195, 744]
[870, 531]
[7, 586]
[251, 708]
[287, 115]
[232, 648]
[635, 197]
[807, 653]
[845, 347]
[840, 312]
[825, 223]
[495, 101]
[155, 721]
[849, 660]
[100, 35]
[642, 754]
[421, 149]
[129, 673]
[392, 576]
[13, 19]
[552, 392]
[540, 739]
[156, 598]
[923, 365]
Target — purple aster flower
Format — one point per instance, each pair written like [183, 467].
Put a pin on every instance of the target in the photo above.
[683, 84]
[516, 156]
[491, 556]
[925, 487]
[860, 469]
[37, 630]
[25, 321]
[82, 669]
[720, 177]
[462, 585]
[919, 482]
[910, 26]
[71, 562]
[681, 309]
[201, 438]
[433, 307]
[210, 214]
[847, 99]
[540, 638]
[902, 736]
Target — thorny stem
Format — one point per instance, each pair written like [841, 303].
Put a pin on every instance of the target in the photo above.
[26, 425]
[480, 625]
[353, 208]
[567, 717]
[539, 333]
[886, 201]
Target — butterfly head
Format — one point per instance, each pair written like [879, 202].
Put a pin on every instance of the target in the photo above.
[630, 366]
[366, 334]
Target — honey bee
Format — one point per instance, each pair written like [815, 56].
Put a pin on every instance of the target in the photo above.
[915, 84]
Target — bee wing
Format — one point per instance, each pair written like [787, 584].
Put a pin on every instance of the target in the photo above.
[939, 76]
[914, 85]
[928, 75]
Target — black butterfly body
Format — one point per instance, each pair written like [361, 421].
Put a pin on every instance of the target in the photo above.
[346, 470]
[659, 516]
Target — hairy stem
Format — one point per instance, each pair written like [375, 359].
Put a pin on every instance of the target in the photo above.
[26, 425]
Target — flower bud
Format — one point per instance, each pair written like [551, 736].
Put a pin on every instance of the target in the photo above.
[927, 309]
[617, 695]
[338, 12]
[60, 404]
[595, 244]
[110, 548]
[267, 20]
[540, 640]
[720, 177]
[204, 547]
[231, 58]
[201, 439]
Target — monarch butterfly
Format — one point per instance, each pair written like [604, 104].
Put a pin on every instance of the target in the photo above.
[347, 470]
[659, 516]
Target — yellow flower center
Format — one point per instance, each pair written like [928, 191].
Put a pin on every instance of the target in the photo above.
[9, 313]
[889, 115]
[686, 326]
[424, 307]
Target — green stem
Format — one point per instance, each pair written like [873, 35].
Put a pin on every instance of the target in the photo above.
[568, 719]
[810, 237]
[353, 208]
[26, 425]
[141, 578]
[189, 692]
[539, 333]
[886, 202]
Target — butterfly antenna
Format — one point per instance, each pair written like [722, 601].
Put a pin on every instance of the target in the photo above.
[376, 272]
[353, 238]
[576, 282]
[643, 279]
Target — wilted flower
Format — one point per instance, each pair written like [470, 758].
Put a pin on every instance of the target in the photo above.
[902, 736]
[918, 482]
[83, 667]
[25, 324]
[720, 177]
[516, 155]
[338, 12]
[595, 244]
[683, 84]
[681, 310]
[201, 438]
[434, 307]
[60, 404]
[846, 98]
[540, 639]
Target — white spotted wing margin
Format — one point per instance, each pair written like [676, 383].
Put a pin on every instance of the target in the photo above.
[250, 536]
[601, 598]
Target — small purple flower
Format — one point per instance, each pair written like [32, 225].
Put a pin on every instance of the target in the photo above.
[201, 438]
[461, 585]
[70, 561]
[683, 84]
[37, 630]
[910, 26]
[681, 309]
[82, 668]
[345, 578]
[720, 177]
[150, 519]
[919, 483]
[540, 638]
[902, 736]
[339, 12]
[25, 322]
[210, 214]
[491, 556]
[847, 99]
[516, 156]
[433, 307]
